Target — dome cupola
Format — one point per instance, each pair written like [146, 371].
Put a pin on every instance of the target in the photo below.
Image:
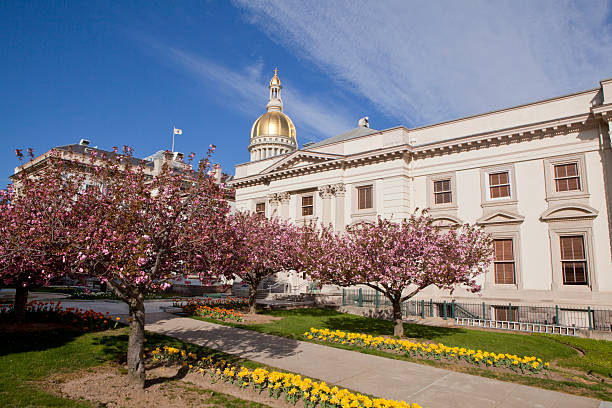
[273, 133]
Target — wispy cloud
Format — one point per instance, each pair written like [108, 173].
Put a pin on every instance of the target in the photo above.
[423, 62]
[246, 89]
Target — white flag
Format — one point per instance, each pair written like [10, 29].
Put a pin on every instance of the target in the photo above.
[178, 131]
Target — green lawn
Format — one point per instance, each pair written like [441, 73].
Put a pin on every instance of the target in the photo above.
[298, 321]
[26, 359]
[597, 356]
[30, 357]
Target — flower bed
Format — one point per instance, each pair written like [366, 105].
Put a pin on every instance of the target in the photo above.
[218, 313]
[291, 386]
[53, 312]
[526, 365]
[190, 305]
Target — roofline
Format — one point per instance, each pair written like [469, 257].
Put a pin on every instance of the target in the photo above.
[309, 148]
[542, 101]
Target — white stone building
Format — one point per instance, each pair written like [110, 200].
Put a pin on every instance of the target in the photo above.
[536, 176]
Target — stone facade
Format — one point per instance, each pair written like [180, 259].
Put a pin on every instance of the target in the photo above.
[537, 177]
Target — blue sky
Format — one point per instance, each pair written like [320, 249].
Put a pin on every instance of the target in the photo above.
[122, 73]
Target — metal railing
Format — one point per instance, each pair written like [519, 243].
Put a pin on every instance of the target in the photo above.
[576, 316]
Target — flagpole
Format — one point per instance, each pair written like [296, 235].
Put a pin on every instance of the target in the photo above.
[173, 126]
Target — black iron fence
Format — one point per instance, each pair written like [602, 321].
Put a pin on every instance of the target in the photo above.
[579, 316]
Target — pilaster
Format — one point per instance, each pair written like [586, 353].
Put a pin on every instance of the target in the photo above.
[339, 191]
[326, 192]
[285, 199]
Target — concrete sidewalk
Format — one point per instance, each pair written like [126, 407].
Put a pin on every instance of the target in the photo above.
[430, 387]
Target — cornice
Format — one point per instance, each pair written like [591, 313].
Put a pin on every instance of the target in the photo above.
[604, 111]
[506, 136]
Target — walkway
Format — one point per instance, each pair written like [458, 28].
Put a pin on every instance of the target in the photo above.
[428, 386]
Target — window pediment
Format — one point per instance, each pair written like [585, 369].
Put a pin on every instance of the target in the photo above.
[500, 217]
[569, 212]
[446, 221]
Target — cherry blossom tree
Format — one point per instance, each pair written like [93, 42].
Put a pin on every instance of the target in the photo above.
[262, 247]
[398, 259]
[145, 230]
[39, 216]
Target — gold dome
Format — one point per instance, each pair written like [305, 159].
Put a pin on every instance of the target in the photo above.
[273, 123]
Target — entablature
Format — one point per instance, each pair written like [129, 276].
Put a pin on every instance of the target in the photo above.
[313, 162]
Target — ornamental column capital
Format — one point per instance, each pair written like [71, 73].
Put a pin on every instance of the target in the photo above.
[284, 196]
[339, 189]
[273, 198]
[325, 191]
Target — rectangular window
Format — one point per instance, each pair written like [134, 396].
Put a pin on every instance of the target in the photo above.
[499, 185]
[573, 260]
[567, 177]
[442, 192]
[504, 261]
[364, 197]
[307, 206]
[505, 314]
[260, 208]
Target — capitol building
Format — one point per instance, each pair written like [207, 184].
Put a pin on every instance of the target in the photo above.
[537, 177]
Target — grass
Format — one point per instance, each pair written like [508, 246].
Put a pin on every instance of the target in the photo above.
[562, 350]
[27, 359]
[597, 356]
[30, 357]
[297, 321]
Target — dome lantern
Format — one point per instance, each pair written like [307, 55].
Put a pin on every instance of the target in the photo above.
[273, 133]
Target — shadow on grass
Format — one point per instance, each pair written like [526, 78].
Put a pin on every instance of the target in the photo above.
[359, 325]
[384, 327]
[25, 341]
[310, 312]
[429, 332]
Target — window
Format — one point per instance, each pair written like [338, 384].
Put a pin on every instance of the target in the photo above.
[364, 197]
[567, 177]
[504, 261]
[573, 260]
[499, 185]
[260, 208]
[505, 314]
[442, 192]
[307, 206]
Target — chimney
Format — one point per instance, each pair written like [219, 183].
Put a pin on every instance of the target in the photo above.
[84, 142]
[218, 173]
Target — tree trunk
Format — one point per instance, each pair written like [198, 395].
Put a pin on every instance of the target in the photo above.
[253, 297]
[135, 359]
[21, 300]
[398, 329]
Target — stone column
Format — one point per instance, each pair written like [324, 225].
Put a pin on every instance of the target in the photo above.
[339, 191]
[285, 199]
[326, 193]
